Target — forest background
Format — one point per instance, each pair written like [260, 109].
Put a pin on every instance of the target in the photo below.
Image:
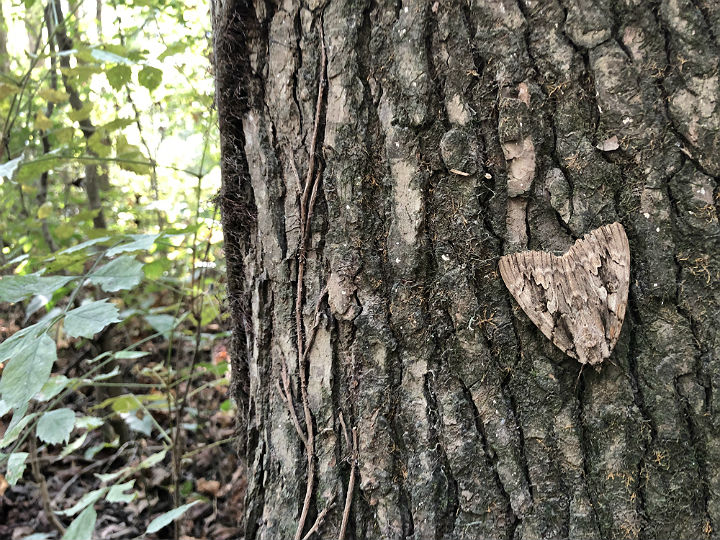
[114, 417]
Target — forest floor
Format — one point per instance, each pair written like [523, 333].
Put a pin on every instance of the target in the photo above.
[211, 473]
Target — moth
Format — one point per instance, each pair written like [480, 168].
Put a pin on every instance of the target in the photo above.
[577, 300]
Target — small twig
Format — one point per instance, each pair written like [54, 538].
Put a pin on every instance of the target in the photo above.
[351, 486]
[320, 518]
[311, 184]
[291, 410]
[40, 479]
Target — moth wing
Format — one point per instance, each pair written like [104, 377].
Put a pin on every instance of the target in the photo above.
[530, 278]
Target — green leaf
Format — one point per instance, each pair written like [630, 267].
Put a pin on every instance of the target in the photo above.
[106, 56]
[16, 288]
[88, 422]
[14, 429]
[162, 323]
[12, 345]
[150, 77]
[4, 408]
[153, 459]
[116, 493]
[156, 268]
[85, 244]
[118, 76]
[64, 135]
[38, 536]
[122, 273]
[8, 90]
[91, 497]
[53, 387]
[173, 48]
[55, 426]
[82, 526]
[7, 169]
[98, 144]
[70, 448]
[89, 319]
[53, 96]
[16, 467]
[81, 114]
[139, 242]
[164, 519]
[28, 370]
[130, 355]
[64, 231]
[45, 210]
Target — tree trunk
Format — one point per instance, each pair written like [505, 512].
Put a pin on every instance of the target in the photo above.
[374, 167]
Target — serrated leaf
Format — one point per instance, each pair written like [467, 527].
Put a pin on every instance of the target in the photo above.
[81, 114]
[150, 77]
[45, 210]
[16, 467]
[28, 370]
[91, 497]
[82, 526]
[16, 288]
[116, 493]
[88, 319]
[122, 273]
[55, 426]
[7, 169]
[12, 345]
[168, 517]
[139, 242]
[118, 76]
[53, 96]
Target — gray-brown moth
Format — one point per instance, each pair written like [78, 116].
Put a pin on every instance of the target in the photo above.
[577, 300]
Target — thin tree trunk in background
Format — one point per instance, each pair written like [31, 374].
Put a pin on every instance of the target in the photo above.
[470, 423]
[4, 58]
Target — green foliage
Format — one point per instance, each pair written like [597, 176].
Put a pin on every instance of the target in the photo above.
[144, 279]
[82, 526]
[121, 273]
[16, 288]
[90, 318]
[16, 467]
[54, 427]
[28, 371]
[168, 517]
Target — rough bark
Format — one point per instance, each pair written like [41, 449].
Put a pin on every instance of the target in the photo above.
[450, 133]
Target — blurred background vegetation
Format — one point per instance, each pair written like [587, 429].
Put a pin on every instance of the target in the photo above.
[113, 410]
